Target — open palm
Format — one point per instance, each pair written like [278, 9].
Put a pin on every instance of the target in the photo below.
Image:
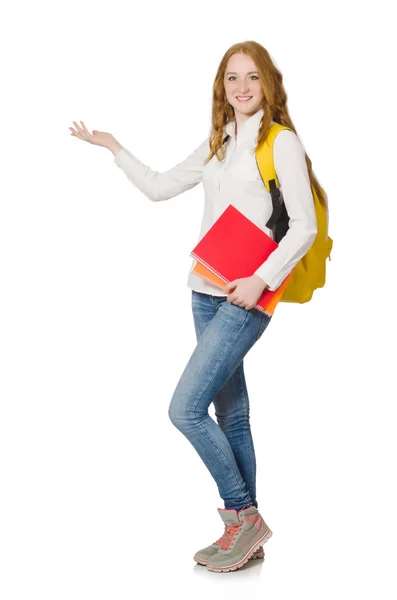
[98, 138]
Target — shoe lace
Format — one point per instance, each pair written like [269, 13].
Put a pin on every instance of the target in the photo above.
[226, 540]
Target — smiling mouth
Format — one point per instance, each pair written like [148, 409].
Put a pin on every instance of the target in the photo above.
[242, 99]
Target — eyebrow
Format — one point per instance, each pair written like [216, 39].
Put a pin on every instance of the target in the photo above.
[234, 72]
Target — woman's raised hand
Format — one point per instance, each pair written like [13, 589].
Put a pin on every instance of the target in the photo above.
[98, 138]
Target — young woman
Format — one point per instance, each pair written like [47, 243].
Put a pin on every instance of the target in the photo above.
[248, 97]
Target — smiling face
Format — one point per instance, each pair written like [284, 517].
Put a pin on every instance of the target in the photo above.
[242, 79]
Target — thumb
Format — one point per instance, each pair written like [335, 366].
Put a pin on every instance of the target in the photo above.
[230, 285]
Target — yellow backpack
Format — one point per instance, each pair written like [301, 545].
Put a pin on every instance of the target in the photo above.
[309, 272]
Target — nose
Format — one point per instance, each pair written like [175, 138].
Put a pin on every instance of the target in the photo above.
[243, 89]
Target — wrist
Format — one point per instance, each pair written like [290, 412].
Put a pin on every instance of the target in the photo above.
[262, 281]
[115, 147]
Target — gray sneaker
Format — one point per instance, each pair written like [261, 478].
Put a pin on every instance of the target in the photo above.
[245, 532]
[202, 556]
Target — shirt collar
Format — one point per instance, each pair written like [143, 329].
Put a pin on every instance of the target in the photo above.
[248, 129]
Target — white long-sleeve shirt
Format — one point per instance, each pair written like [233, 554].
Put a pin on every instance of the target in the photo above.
[236, 180]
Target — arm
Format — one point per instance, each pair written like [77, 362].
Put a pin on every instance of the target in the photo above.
[161, 186]
[293, 177]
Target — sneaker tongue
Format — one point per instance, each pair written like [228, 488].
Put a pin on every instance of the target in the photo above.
[229, 516]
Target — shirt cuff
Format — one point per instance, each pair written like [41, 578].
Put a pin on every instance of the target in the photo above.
[121, 158]
[273, 281]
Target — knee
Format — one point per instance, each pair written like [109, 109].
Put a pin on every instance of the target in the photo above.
[176, 414]
[181, 413]
[172, 414]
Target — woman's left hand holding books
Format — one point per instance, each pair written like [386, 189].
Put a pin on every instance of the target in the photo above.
[246, 291]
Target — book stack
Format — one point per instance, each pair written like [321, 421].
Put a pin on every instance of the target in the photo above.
[234, 247]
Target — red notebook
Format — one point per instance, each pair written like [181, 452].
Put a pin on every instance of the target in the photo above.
[235, 247]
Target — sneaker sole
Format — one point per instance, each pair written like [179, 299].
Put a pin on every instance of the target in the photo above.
[246, 558]
[255, 555]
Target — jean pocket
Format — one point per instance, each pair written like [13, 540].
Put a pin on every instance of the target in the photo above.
[264, 323]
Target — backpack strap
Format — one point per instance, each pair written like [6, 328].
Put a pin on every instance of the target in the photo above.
[265, 162]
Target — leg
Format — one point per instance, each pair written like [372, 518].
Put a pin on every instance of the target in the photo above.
[232, 405]
[232, 412]
[224, 339]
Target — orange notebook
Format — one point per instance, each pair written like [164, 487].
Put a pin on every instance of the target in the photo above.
[235, 247]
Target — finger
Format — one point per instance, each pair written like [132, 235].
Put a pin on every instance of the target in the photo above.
[83, 135]
[81, 131]
[77, 126]
[85, 128]
[76, 133]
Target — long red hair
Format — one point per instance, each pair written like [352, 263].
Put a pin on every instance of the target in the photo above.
[274, 104]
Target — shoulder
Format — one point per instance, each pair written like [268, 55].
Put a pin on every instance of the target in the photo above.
[287, 140]
[289, 155]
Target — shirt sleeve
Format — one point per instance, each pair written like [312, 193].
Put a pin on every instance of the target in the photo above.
[294, 181]
[161, 186]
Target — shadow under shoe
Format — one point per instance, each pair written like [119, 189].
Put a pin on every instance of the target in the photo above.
[202, 556]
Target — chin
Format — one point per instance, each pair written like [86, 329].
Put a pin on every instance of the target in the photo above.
[250, 107]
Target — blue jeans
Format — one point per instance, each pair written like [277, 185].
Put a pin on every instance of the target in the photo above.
[225, 333]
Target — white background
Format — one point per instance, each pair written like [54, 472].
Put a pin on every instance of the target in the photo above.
[102, 497]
